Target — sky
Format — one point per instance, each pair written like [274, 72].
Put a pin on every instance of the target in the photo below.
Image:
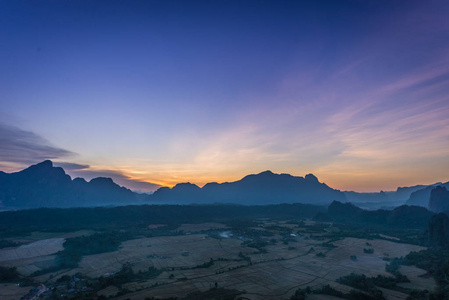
[153, 93]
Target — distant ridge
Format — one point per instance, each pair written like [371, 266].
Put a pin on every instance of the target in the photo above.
[422, 196]
[439, 199]
[263, 188]
[403, 216]
[43, 185]
[388, 199]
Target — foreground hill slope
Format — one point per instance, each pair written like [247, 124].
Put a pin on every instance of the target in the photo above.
[263, 188]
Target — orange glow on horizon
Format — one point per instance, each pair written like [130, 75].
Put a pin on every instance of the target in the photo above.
[343, 178]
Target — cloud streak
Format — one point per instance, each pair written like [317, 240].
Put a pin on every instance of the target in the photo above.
[21, 147]
[67, 166]
[119, 176]
[399, 135]
[359, 97]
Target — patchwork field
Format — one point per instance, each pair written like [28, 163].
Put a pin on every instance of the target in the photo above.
[35, 249]
[272, 275]
[200, 261]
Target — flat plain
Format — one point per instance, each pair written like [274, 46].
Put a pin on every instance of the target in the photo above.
[211, 255]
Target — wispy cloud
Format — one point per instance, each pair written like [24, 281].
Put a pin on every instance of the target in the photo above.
[20, 147]
[401, 135]
[121, 177]
[420, 78]
[67, 166]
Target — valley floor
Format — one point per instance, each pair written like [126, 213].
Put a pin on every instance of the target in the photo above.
[269, 261]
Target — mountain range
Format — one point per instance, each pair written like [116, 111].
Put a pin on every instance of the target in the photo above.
[263, 188]
[43, 185]
[421, 197]
[390, 198]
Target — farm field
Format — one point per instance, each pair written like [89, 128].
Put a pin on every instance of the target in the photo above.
[272, 275]
[12, 291]
[268, 261]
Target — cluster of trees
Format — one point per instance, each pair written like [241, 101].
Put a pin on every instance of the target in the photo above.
[205, 265]
[404, 217]
[436, 262]
[96, 243]
[301, 294]
[369, 284]
[258, 244]
[213, 293]
[328, 244]
[126, 274]
[435, 259]
[112, 218]
[245, 257]
[76, 247]
[7, 243]
[9, 274]
[360, 282]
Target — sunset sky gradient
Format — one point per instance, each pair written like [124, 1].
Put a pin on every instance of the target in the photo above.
[159, 92]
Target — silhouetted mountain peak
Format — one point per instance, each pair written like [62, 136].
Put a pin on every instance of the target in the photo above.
[43, 185]
[263, 188]
[42, 172]
[439, 189]
[265, 175]
[311, 178]
[40, 167]
[79, 180]
[439, 199]
[185, 186]
[421, 196]
[45, 164]
[337, 208]
[102, 181]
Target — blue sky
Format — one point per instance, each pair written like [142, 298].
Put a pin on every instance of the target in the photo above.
[159, 92]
